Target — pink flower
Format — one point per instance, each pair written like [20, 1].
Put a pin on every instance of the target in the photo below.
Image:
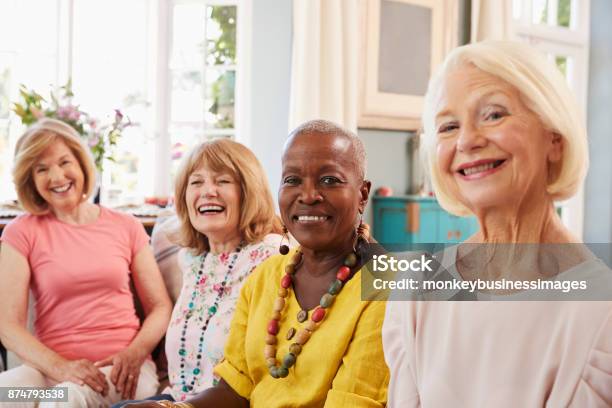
[94, 140]
[62, 112]
[177, 155]
[216, 287]
[93, 123]
[74, 114]
[202, 281]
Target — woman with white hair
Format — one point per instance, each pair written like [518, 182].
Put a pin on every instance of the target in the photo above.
[77, 259]
[504, 140]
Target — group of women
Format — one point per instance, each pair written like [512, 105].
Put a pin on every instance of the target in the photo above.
[261, 322]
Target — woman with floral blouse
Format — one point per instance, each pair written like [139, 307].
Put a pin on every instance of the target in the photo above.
[228, 227]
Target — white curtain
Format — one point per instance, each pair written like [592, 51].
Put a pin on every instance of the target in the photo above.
[491, 20]
[324, 71]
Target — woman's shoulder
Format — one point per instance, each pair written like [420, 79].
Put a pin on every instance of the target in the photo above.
[25, 223]
[268, 272]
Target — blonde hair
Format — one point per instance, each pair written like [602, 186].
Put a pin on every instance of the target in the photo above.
[36, 139]
[257, 217]
[544, 91]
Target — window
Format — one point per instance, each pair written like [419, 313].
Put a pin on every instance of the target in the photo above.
[23, 59]
[175, 67]
[202, 71]
[560, 29]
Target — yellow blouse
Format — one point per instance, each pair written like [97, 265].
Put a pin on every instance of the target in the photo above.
[341, 365]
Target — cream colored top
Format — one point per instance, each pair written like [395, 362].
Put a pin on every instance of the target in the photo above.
[499, 354]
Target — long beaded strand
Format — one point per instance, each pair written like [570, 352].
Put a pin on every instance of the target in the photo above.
[212, 310]
[318, 314]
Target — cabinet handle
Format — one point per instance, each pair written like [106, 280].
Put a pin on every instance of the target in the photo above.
[412, 217]
[458, 234]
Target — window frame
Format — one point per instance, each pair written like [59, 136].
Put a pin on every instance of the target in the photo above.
[573, 42]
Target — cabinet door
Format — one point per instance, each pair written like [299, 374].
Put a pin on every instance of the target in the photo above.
[453, 229]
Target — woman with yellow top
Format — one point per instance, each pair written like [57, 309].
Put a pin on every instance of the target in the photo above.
[301, 336]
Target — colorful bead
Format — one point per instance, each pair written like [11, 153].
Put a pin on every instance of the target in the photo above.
[318, 314]
[286, 281]
[326, 300]
[276, 315]
[302, 316]
[343, 273]
[273, 327]
[282, 372]
[302, 337]
[295, 349]
[274, 371]
[350, 260]
[284, 249]
[310, 326]
[270, 351]
[290, 269]
[212, 309]
[289, 360]
[271, 361]
[335, 287]
[270, 339]
[290, 333]
[196, 371]
[279, 304]
[282, 292]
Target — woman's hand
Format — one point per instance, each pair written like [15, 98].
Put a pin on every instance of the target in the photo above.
[81, 372]
[126, 370]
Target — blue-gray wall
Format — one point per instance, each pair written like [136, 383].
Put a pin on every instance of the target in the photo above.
[270, 83]
[598, 189]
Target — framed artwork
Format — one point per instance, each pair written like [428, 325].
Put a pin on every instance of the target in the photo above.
[403, 41]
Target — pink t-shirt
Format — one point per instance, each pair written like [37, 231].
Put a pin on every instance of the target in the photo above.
[80, 278]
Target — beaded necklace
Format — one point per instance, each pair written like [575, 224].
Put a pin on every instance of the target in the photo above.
[211, 312]
[318, 314]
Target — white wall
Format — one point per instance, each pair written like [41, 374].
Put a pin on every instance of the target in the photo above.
[270, 83]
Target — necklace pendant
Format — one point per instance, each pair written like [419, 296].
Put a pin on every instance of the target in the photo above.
[290, 333]
[302, 316]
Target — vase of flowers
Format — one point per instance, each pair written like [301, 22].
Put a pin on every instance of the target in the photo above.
[100, 137]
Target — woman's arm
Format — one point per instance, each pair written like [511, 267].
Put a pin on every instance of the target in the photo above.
[152, 293]
[15, 278]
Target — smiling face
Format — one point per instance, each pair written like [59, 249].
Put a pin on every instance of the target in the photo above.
[321, 193]
[58, 177]
[492, 151]
[213, 203]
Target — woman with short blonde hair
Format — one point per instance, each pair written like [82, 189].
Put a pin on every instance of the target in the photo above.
[505, 140]
[31, 145]
[78, 259]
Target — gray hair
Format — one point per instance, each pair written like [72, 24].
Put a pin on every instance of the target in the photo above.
[327, 127]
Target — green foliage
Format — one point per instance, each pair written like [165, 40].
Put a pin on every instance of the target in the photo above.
[223, 48]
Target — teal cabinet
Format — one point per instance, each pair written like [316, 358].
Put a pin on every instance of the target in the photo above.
[415, 220]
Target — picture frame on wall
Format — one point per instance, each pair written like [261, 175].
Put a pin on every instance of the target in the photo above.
[403, 42]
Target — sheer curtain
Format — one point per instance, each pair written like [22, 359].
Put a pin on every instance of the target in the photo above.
[490, 20]
[324, 73]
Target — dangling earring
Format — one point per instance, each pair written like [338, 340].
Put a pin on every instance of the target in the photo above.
[284, 248]
[362, 233]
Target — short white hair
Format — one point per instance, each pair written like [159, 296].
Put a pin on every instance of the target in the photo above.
[543, 90]
[326, 127]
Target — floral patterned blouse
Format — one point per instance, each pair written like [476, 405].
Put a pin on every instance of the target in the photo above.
[189, 374]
